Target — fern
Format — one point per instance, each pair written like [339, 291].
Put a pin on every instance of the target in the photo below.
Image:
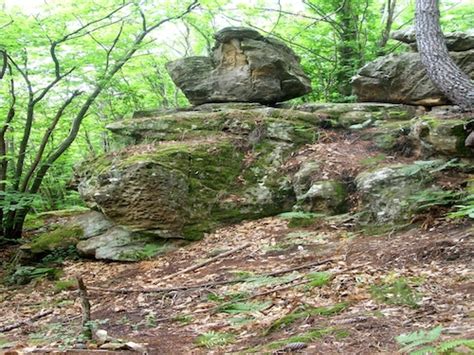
[453, 344]
[423, 343]
[415, 339]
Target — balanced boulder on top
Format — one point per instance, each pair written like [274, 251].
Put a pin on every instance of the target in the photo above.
[244, 67]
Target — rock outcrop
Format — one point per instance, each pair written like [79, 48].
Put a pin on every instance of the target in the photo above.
[455, 41]
[244, 67]
[401, 78]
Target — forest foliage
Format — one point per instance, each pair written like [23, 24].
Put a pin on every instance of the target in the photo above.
[76, 44]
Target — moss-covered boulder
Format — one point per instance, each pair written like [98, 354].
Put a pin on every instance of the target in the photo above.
[387, 193]
[62, 237]
[224, 168]
[444, 135]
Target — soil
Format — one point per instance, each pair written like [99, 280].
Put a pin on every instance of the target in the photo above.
[432, 258]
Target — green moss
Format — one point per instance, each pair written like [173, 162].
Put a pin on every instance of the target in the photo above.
[63, 285]
[304, 313]
[60, 238]
[33, 222]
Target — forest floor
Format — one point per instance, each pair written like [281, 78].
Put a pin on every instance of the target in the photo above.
[348, 293]
[265, 287]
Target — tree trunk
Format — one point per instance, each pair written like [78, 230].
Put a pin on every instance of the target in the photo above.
[349, 56]
[441, 69]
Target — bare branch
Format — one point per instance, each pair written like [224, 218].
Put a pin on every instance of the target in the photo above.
[101, 85]
[45, 139]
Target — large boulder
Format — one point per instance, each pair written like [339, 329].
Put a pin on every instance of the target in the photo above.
[244, 67]
[455, 41]
[401, 78]
[194, 170]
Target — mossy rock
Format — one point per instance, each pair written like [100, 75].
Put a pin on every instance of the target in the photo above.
[286, 125]
[185, 189]
[445, 136]
[348, 114]
[386, 192]
[60, 238]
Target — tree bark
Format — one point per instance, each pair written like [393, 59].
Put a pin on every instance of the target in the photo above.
[441, 69]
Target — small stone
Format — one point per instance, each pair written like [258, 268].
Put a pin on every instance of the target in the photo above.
[101, 335]
[136, 347]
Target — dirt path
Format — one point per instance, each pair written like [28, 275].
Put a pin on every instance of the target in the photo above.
[370, 290]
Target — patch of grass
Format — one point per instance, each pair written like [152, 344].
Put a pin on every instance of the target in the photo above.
[214, 339]
[318, 279]
[241, 320]
[6, 343]
[33, 222]
[63, 285]
[398, 292]
[306, 312]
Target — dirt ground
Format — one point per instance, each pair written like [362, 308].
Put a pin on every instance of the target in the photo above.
[436, 263]
[321, 289]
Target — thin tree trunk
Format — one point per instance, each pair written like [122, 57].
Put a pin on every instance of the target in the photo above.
[389, 15]
[441, 69]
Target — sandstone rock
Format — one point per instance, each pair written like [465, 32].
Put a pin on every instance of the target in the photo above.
[226, 169]
[455, 41]
[401, 78]
[244, 67]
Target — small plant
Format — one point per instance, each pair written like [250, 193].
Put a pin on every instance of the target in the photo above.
[183, 319]
[305, 312]
[397, 292]
[430, 198]
[318, 279]
[425, 342]
[309, 337]
[24, 274]
[213, 339]
[465, 208]
[63, 285]
[242, 307]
